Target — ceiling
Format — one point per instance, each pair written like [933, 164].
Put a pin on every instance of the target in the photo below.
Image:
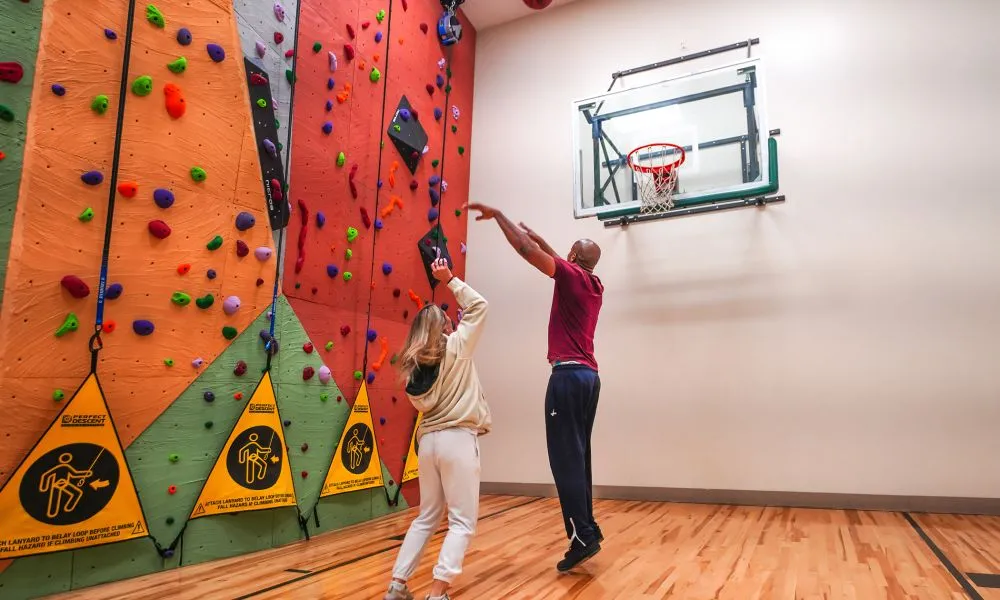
[490, 13]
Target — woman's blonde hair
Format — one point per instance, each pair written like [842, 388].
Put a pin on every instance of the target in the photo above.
[425, 345]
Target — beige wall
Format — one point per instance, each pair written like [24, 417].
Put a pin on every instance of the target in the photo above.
[846, 341]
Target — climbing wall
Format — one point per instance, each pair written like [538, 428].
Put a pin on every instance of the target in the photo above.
[192, 258]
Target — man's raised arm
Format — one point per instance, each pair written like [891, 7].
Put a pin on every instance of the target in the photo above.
[519, 239]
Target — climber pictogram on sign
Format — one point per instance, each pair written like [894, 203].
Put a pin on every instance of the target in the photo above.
[356, 464]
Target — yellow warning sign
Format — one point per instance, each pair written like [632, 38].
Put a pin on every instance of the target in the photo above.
[411, 469]
[356, 465]
[74, 489]
[252, 472]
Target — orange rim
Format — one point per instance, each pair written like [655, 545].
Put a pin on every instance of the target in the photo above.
[664, 168]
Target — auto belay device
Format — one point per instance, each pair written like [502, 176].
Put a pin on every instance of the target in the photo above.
[449, 27]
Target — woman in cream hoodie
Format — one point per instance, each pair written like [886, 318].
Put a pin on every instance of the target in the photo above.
[442, 383]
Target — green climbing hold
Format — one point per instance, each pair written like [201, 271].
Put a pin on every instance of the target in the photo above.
[458, 212]
[198, 174]
[215, 243]
[142, 86]
[396, 127]
[447, 89]
[70, 324]
[261, 103]
[347, 276]
[380, 15]
[298, 285]
[180, 298]
[290, 76]
[454, 128]
[100, 104]
[154, 16]
[208, 424]
[317, 46]
[348, 254]
[358, 375]
[6, 113]
[168, 361]
[352, 234]
[394, 359]
[435, 163]
[178, 66]
[86, 215]
[341, 159]
[58, 395]
[461, 150]
[174, 457]
[448, 72]
[329, 346]
[205, 301]
[280, 146]
[169, 520]
[324, 396]
[277, 124]
[229, 332]
[381, 144]
[375, 75]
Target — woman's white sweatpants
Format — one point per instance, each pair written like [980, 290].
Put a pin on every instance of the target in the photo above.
[449, 479]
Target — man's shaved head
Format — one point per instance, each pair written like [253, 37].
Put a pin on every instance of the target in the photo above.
[585, 253]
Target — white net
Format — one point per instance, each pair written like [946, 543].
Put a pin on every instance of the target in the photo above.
[655, 169]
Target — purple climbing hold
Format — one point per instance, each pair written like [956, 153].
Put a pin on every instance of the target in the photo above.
[211, 274]
[378, 37]
[325, 375]
[216, 52]
[198, 363]
[270, 148]
[440, 81]
[379, 224]
[142, 327]
[245, 221]
[287, 423]
[330, 83]
[263, 253]
[241, 248]
[332, 271]
[379, 184]
[381, 420]
[434, 180]
[114, 291]
[372, 335]
[279, 11]
[92, 177]
[328, 127]
[371, 378]
[463, 248]
[320, 219]
[444, 306]
[405, 114]
[110, 34]
[432, 214]
[261, 48]
[209, 396]
[184, 36]
[58, 89]
[444, 186]
[163, 198]
[386, 268]
[329, 105]
[231, 305]
[435, 196]
[438, 113]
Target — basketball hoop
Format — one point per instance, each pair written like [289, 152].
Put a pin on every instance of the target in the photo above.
[656, 174]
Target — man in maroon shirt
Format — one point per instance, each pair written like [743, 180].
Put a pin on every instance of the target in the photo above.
[574, 386]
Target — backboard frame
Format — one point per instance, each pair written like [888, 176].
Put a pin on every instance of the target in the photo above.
[755, 148]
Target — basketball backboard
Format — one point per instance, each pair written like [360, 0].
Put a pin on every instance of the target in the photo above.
[716, 115]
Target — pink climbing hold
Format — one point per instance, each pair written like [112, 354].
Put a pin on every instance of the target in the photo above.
[261, 49]
[11, 72]
[349, 52]
[279, 11]
[263, 253]
[75, 286]
[159, 229]
[325, 375]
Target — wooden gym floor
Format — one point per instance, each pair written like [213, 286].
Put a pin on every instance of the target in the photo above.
[653, 550]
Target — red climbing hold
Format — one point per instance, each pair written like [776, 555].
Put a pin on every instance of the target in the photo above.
[405, 5]
[75, 286]
[366, 25]
[289, 53]
[301, 260]
[349, 52]
[396, 293]
[242, 249]
[414, 185]
[11, 71]
[260, 281]
[307, 373]
[172, 490]
[240, 368]
[159, 229]
[350, 31]
[304, 474]
[365, 219]
[183, 269]
[315, 290]
[238, 396]
[257, 79]
[278, 37]
[176, 106]
[430, 90]
[308, 348]
[424, 28]
[276, 192]
[128, 189]
[345, 330]
[109, 327]
[350, 179]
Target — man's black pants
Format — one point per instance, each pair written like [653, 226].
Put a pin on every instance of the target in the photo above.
[570, 408]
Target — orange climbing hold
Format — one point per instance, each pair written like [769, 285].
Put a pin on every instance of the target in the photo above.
[176, 104]
[416, 299]
[345, 94]
[361, 65]
[109, 327]
[377, 365]
[392, 174]
[394, 201]
[377, 57]
[128, 189]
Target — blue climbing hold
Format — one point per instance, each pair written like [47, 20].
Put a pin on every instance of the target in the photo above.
[432, 214]
[320, 219]
[330, 83]
[332, 271]
[245, 221]
[184, 36]
[142, 327]
[92, 177]
[215, 52]
[434, 180]
[211, 274]
[381, 420]
[209, 396]
[328, 128]
[329, 105]
[435, 196]
[163, 198]
[405, 114]
[58, 89]
[378, 37]
[379, 224]
[371, 378]
[372, 335]
[114, 291]
[379, 184]
[386, 268]
[444, 306]
[110, 34]
[440, 80]
[438, 113]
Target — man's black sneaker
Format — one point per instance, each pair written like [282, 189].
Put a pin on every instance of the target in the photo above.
[600, 534]
[577, 554]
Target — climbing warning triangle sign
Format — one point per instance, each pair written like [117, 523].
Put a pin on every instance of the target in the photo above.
[252, 472]
[74, 489]
[356, 465]
[411, 469]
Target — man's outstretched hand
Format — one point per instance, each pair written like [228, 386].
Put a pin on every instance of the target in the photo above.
[486, 212]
